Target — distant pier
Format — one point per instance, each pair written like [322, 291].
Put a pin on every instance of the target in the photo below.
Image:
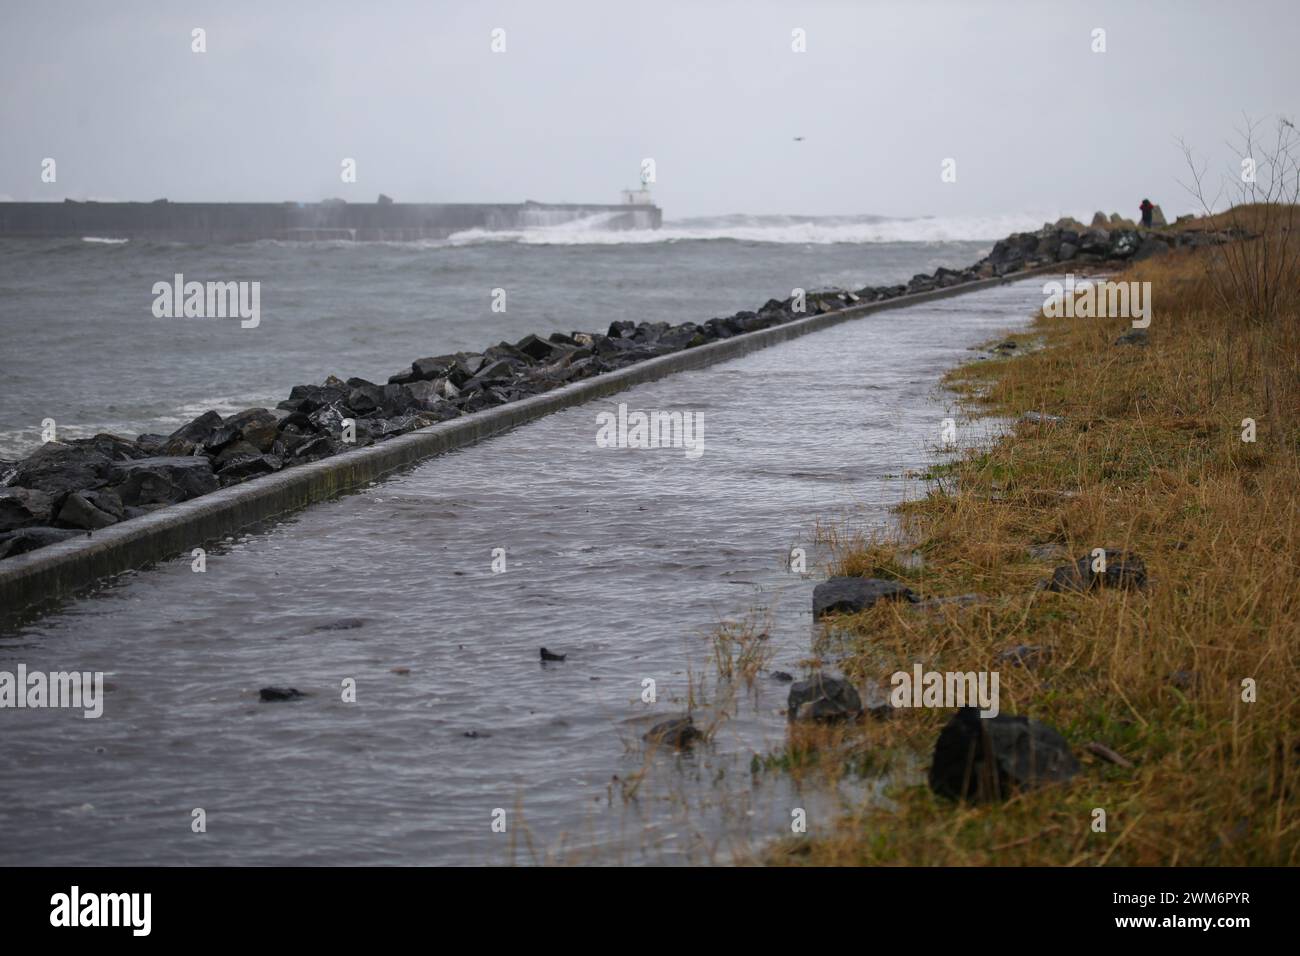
[245, 222]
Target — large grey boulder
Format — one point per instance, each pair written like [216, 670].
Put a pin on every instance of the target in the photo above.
[29, 539]
[163, 480]
[983, 759]
[192, 434]
[850, 595]
[57, 469]
[91, 510]
[24, 508]
[258, 427]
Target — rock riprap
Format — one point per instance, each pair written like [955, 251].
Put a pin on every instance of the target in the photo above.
[91, 483]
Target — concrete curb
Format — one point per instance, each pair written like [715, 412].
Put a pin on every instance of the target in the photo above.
[69, 566]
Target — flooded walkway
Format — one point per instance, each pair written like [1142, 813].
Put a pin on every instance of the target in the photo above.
[625, 560]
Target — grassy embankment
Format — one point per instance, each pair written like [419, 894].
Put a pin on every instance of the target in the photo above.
[1149, 459]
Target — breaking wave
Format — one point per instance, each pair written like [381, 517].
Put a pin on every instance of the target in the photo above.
[798, 230]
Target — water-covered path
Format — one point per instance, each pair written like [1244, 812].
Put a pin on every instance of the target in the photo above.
[623, 559]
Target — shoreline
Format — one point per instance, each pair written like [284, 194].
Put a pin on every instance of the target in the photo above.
[1153, 690]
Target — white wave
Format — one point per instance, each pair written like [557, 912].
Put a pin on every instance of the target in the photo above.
[21, 442]
[113, 242]
[798, 230]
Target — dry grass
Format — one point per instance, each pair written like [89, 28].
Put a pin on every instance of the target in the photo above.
[1150, 459]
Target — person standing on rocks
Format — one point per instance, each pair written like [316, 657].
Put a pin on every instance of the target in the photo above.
[1147, 208]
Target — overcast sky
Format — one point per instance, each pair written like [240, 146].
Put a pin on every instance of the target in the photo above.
[712, 91]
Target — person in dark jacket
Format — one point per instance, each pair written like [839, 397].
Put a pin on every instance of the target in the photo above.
[1146, 208]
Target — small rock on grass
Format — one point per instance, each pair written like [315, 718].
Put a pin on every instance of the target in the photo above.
[1123, 570]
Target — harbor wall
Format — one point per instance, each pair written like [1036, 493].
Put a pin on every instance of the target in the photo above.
[245, 222]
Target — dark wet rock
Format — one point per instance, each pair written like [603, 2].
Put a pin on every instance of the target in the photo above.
[57, 469]
[425, 394]
[944, 278]
[850, 595]
[823, 698]
[342, 624]
[539, 350]
[366, 398]
[151, 445]
[549, 656]
[24, 508]
[679, 733]
[328, 420]
[1067, 250]
[91, 510]
[1123, 570]
[308, 398]
[243, 467]
[322, 446]
[1133, 337]
[235, 452]
[192, 434]
[270, 694]
[163, 480]
[1029, 656]
[256, 426]
[782, 676]
[29, 539]
[986, 759]
[112, 447]
[496, 371]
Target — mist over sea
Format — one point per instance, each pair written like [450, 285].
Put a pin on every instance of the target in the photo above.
[82, 345]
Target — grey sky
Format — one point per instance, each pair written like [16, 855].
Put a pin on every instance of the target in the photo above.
[712, 91]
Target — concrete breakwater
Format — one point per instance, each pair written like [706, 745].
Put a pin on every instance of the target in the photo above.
[105, 504]
[245, 222]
